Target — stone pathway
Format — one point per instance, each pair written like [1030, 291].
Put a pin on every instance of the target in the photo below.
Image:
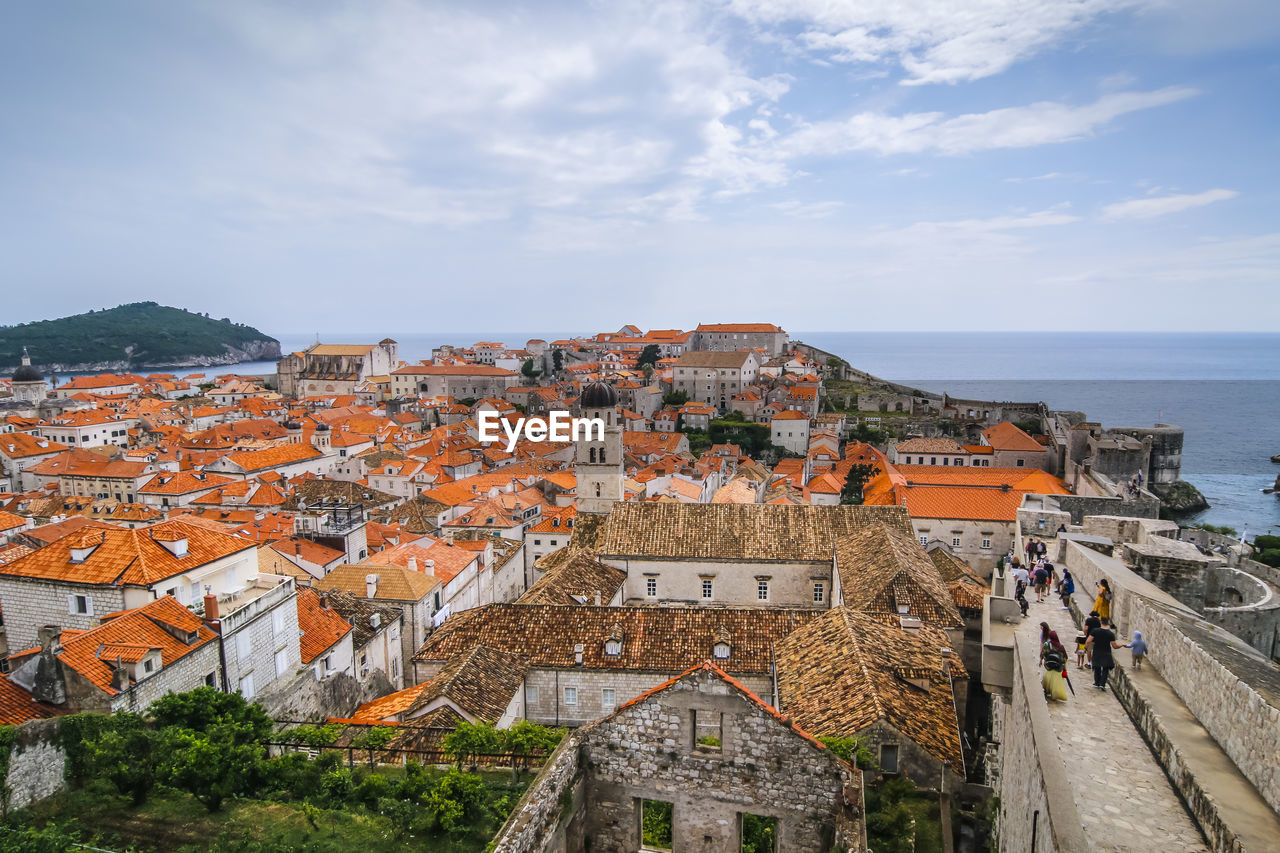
[1125, 801]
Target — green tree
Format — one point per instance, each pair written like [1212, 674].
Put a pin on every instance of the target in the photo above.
[211, 765]
[851, 749]
[655, 824]
[759, 834]
[470, 740]
[126, 754]
[649, 355]
[859, 474]
[890, 824]
[525, 738]
[675, 398]
[206, 708]
[528, 370]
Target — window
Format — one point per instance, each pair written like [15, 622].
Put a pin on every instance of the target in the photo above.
[277, 622]
[147, 665]
[537, 542]
[244, 646]
[721, 651]
[211, 680]
[655, 825]
[955, 541]
[706, 587]
[759, 834]
[613, 648]
[889, 757]
[607, 700]
[246, 686]
[651, 587]
[707, 728]
[819, 592]
[328, 663]
[1020, 463]
[924, 540]
[762, 590]
[571, 696]
[80, 605]
[282, 662]
[986, 543]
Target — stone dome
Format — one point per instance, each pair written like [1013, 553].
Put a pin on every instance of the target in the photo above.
[598, 395]
[27, 373]
[322, 427]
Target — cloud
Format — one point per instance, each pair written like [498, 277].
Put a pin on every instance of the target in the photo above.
[1042, 123]
[933, 41]
[1148, 208]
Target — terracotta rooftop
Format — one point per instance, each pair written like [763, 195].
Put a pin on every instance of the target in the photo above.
[654, 639]
[480, 682]
[394, 582]
[845, 671]
[102, 555]
[1006, 436]
[734, 531]
[575, 580]
[321, 627]
[884, 569]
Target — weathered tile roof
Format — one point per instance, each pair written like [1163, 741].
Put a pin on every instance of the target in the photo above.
[844, 671]
[967, 589]
[481, 681]
[654, 639]
[359, 613]
[385, 707]
[17, 706]
[735, 531]
[394, 582]
[120, 556]
[883, 569]
[579, 575]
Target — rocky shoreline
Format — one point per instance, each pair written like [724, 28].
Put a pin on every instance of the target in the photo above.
[250, 351]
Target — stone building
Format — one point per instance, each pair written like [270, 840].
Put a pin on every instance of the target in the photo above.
[723, 337]
[28, 384]
[326, 369]
[706, 752]
[714, 378]
[729, 554]
[584, 661]
[452, 380]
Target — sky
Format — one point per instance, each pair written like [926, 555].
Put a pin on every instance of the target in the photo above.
[387, 165]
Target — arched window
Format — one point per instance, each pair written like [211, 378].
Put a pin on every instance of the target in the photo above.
[602, 456]
[593, 454]
[597, 490]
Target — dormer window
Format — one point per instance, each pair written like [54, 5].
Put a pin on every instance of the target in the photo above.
[79, 555]
[721, 651]
[613, 648]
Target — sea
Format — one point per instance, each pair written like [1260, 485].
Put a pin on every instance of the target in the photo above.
[1223, 389]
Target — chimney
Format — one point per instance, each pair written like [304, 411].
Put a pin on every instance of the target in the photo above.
[50, 682]
[375, 621]
[370, 585]
[210, 607]
[946, 660]
[119, 677]
[413, 564]
[598, 598]
[577, 654]
[324, 600]
[429, 566]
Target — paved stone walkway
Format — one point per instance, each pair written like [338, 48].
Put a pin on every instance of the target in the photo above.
[1125, 801]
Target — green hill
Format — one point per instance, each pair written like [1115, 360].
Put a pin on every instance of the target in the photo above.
[142, 334]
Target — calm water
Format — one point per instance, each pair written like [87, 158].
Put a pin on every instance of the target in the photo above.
[1222, 389]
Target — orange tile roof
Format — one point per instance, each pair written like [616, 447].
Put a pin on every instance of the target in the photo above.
[738, 327]
[18, 445]
[130, 634]
[273, 457]
[305, 549]
[120, 556]
[1006, 436]
[390, 705]
[182, 483]
[321, 626]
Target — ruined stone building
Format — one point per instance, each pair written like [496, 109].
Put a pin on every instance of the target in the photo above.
[707, 755]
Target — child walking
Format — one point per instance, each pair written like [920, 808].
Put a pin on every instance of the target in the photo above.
[1139, 647]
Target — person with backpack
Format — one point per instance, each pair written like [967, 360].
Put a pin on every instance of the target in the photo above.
[1101, 641]
[1020, 595]
[1066, 588]
[1053, 656]
[1042, 583]
[1102, 603]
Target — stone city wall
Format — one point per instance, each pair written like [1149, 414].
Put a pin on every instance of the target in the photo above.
[36, 763]
[540, 821]
[1037, 810]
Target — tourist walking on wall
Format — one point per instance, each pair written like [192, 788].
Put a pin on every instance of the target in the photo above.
[1054, 658]
[1139, 648]
[1102, 603]
[1031, 551]
[1042, 583]
[1066, 588]
[1091, 623]
[1041, 549]
[1101, 642]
